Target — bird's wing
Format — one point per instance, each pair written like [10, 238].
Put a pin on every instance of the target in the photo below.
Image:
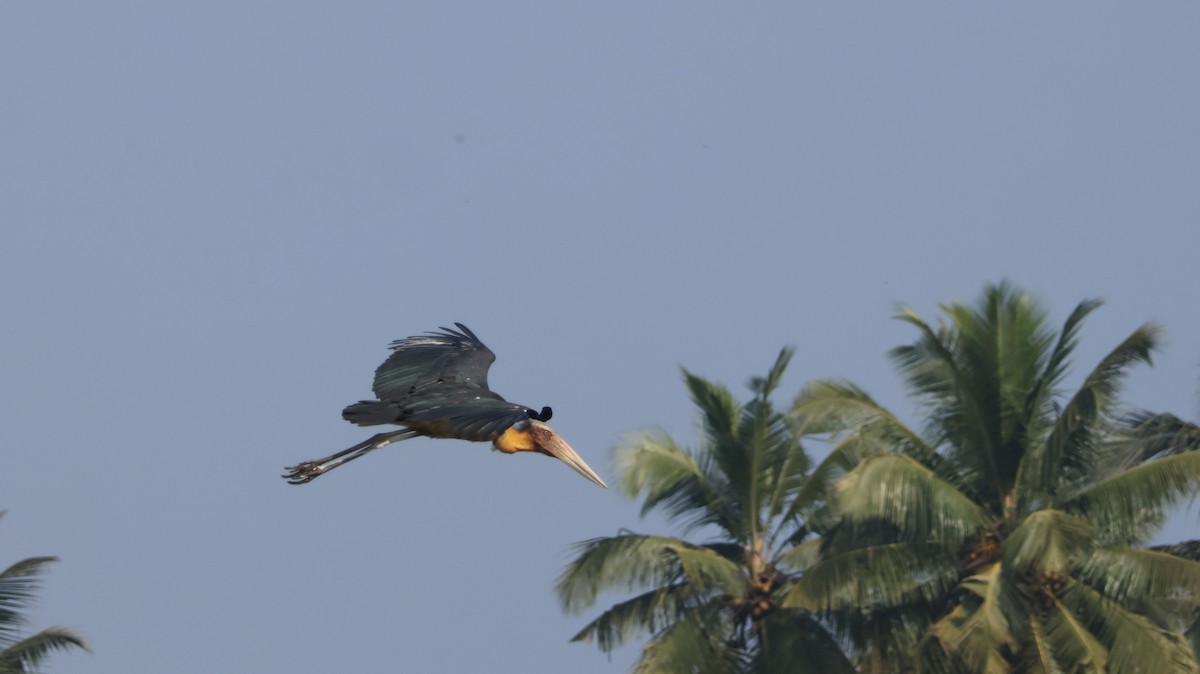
[449, 357]
[463, 412]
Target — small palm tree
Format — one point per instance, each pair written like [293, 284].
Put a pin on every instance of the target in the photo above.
[18, 585]
[712, 606]
[1006, 535]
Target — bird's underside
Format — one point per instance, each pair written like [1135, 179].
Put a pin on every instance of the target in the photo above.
[435, 385]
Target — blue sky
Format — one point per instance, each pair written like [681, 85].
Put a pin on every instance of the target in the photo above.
[217, 215]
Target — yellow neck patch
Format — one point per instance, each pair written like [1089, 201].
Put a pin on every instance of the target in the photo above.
[514, 439]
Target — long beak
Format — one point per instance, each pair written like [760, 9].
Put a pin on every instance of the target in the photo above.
[555, 446]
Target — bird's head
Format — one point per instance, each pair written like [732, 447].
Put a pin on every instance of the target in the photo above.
[535, 436]
[544, 415]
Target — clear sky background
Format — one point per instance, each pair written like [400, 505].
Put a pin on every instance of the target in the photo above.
[215, 216]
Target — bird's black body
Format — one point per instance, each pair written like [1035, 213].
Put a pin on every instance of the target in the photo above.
[436, 385]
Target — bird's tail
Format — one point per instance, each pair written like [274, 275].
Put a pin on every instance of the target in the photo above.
[372, 413]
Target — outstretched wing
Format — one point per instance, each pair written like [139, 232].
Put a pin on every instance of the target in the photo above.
[463, 412]
[453, 358]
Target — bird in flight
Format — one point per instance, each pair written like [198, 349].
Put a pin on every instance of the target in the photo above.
[435, 385]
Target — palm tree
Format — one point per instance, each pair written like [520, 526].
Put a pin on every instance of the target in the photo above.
[712, 606]
[1160, 433]
[1006, 535]
[20, 654]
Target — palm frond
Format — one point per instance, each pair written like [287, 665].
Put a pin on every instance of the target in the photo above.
[884, 640]
[633, 561]
[1069, 449]
[1186, 549]
[978, 632]
[644, 614]
[961, 637]
[777, 463]
[1129, 506]
[790, 482]
[900, 490]
[794, 641]
[19, 584]
[721, 417]
[1048, 541]
[961, 398]
[770, 450]
[1038, 654]
[651, 464]
[1005, 346]
[831, 406]
[927, 365]
[763, 387]
[28, 653]
[720, 414]
[851, 450]
[696, 644]
[1127, 574]
[26, 568]
[801, 556]
[1059, 360]
[1151, 435]
[1193, 637]
[1070, 641]
[1135, 644]
[875, 576]
[996, 608]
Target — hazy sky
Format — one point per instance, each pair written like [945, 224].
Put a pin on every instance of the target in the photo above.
[215, 216]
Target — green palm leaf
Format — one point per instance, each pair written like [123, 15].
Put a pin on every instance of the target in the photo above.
[794, 488]
[1056, 365]
[19, 584]
[879, 575]
[644, 614]
[900, 490]
[1127, 575]
[1048, 541]
[849, 452]
[720, 415]
[1127, 506]
[1038, 652]
[634, 561]
[1150, 435]
[1135, 644]
[793, 641]
[1072, 642]
[27, 654]
[652, 465]
[833, 406]
[1069, 450]
[978, 632]
[1186, 549]
[801, 556]
[696, 644]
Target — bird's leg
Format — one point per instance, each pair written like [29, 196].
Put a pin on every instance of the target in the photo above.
[307, 471]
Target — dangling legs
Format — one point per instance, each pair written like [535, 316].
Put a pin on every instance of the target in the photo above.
[307, 471]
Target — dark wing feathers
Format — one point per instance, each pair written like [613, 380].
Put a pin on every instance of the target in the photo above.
[437, 383]
[450, 357]
[462, 412]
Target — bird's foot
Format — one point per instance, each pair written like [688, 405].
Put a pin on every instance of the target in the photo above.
[303, 472]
